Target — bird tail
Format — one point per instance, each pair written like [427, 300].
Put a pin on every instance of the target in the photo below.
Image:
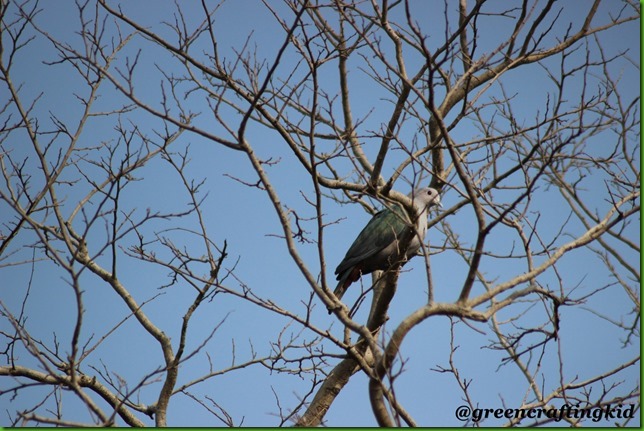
[342, 286]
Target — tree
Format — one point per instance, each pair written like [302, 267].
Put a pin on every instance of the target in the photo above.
[180, 182]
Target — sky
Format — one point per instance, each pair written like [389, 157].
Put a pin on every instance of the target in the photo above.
[245, 219]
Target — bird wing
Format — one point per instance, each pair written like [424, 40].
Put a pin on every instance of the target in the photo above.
[382, 230]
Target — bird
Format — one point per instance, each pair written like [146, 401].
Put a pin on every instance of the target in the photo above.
[376, 246]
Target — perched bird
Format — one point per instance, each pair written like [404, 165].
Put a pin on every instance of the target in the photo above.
[377, 246]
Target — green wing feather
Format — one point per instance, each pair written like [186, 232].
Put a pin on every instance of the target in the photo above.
[383, 229]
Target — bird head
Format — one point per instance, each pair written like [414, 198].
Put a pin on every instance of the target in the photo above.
[425, 197]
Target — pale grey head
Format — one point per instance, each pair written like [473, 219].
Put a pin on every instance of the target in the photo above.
[424, 198]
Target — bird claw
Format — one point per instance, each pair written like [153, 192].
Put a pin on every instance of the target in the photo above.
[333, 308]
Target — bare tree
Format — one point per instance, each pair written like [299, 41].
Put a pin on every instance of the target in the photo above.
[121, 258]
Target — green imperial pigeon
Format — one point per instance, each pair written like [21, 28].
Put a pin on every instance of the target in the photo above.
[376, 247]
